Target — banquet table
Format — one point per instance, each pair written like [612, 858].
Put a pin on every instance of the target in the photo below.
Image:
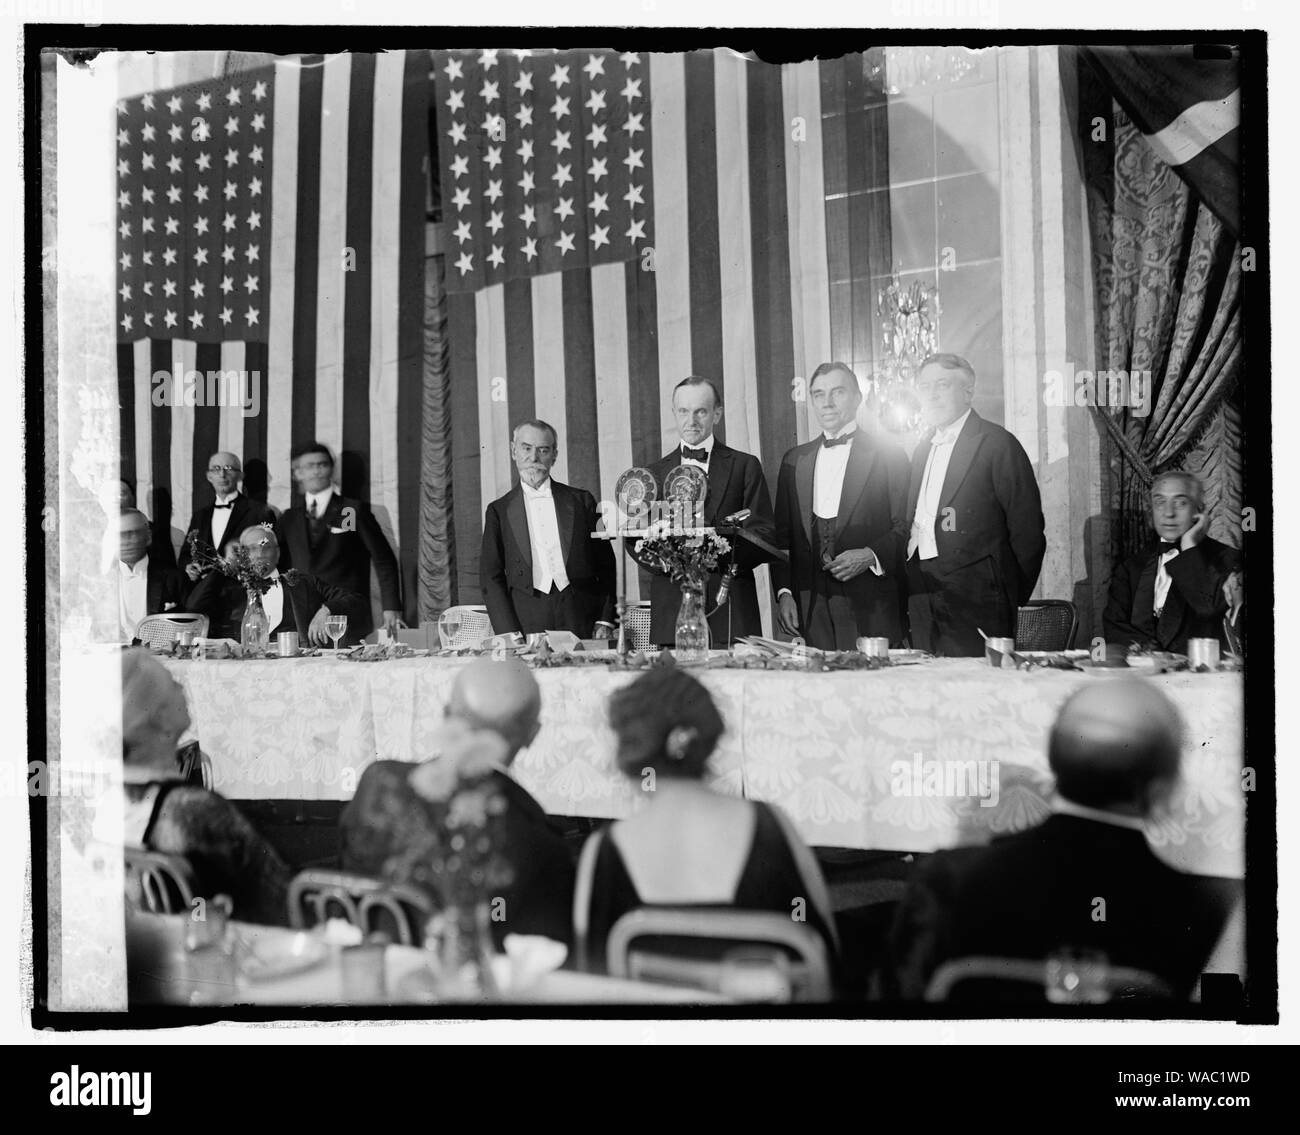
[164, 972]
[909, 758]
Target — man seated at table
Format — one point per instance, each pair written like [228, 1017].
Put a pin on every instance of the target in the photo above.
[144, 585]
[1085, 878]
[1173, 589]
[295, 601]
[388, 820]
[164, 814]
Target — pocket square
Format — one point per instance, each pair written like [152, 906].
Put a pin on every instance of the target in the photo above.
[337, 531]
[169, 606]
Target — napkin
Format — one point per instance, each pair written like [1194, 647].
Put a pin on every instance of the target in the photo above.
[528, 958]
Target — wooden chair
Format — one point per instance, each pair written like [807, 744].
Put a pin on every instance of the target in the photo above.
[158, 883]
[161, 630]
[688, 946]
[638, 626]
[1046, 624]
[475, 626]
[366, 903]
[1023, 979]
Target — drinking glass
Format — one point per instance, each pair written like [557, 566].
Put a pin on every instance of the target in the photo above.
[336, 626]
[448, 628]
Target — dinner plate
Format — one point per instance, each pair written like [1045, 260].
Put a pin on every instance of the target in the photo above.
[269, 956]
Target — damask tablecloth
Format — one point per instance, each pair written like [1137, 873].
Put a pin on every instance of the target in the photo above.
[913, 758]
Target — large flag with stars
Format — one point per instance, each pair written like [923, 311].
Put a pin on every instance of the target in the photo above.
[617, 221]
[271, 231]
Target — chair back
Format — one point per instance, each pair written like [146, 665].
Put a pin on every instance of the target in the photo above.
[475, 626]
[1025, 979]
[690, 946]
[162, 630]
[366, 903]
[158, 883]
[1046, 624]
[638, 626]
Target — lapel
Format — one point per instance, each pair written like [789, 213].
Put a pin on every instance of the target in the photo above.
[238, 516]
[153, 597]
[963, 453]
[564, 510]
[719, 477]
[862, 456]
[920, 455]
[804, 467]
[517, 514]
[334, 511]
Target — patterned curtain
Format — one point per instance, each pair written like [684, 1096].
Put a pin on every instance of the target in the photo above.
[437, 532]
[1167, 275]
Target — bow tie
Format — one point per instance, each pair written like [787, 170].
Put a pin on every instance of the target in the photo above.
[700, 455]
[843, 439]
[1165, 548]
[228, 504]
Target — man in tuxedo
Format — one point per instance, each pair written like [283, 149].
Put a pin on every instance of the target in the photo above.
[226, 518]
[160, 544]
[336, 539]
[735, 483]
[977, 538]
[295, 601]
[840, 501]
[1084, 879]
[541, 569]
[144, 586]
[1176, 588]
[389, 820]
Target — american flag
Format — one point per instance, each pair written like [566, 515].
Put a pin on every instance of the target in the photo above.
[272, 222]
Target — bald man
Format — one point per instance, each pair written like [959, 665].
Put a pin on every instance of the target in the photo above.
[297, 602]
[1084, 879]
[386, 814]
[227, 517]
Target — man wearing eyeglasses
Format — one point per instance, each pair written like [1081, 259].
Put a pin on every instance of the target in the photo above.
[977, 538]
[226, 518]
[540, 566]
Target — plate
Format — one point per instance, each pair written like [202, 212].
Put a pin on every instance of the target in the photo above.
[908, 657]
[269, 956]
[1096, 670]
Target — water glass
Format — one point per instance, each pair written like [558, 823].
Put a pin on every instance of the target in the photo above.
[336, 626]
[1202, 652]
[998, 652]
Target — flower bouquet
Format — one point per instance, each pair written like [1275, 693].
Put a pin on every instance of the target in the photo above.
[688, 558]
[237, 564]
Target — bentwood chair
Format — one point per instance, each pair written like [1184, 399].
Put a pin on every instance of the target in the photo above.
[158, 883]
[993, 980]
[475, 626]
[1046, 624]
[366, 903]
[638, 626]
[161, 630]
[689, 946]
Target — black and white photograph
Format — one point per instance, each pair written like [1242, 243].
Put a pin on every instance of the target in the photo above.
[754, 527]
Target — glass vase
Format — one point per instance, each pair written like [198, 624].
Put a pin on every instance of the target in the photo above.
[459, 939]
[692, 626]
[254, 630]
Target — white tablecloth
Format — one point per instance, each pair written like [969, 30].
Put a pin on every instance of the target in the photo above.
[857, 759]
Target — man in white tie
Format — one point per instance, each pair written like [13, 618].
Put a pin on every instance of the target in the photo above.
[228, 515]
[541, 569]
[1176, 587]
[977, 534]
[145, 587]
[840, 502]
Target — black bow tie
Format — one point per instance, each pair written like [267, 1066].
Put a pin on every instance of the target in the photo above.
[1165, 546]
[228, 504]
[700, 455]
[843, 439]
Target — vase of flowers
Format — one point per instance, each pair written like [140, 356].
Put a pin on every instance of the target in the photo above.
[255, 628]
[239, 565]
[692, 638]
[688, 556]
[456, 859]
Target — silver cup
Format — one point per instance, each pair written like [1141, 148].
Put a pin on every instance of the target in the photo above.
[998, 650]
[1202, 652]
[873, 647]
[186, 637]
[286, 643]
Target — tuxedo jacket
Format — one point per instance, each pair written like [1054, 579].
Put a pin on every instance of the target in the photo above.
[244, 513]
[736, 482]
[506, 561]
[1194, 607]
[387, 822]
[223, 600]
[991, 544]
[163, 593]
[1033, 893]
[350, 541]
[872, 515]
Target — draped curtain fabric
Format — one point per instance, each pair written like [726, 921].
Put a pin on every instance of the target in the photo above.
[1167, 275]
[437, 532]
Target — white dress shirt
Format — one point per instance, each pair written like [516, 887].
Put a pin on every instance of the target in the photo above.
[132, 595]
[544, 535]
[321, 500]
[1163, 580]
[706, 445]
[921, 540]
[221, 520]
[273, 602]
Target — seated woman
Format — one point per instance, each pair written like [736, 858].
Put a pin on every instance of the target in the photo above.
[690, 846]
[164, 814]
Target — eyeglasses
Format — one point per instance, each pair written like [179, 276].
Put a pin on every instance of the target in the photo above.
[223, 468]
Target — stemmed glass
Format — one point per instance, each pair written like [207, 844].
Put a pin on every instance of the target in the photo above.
[336, 626]
[449, 627]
